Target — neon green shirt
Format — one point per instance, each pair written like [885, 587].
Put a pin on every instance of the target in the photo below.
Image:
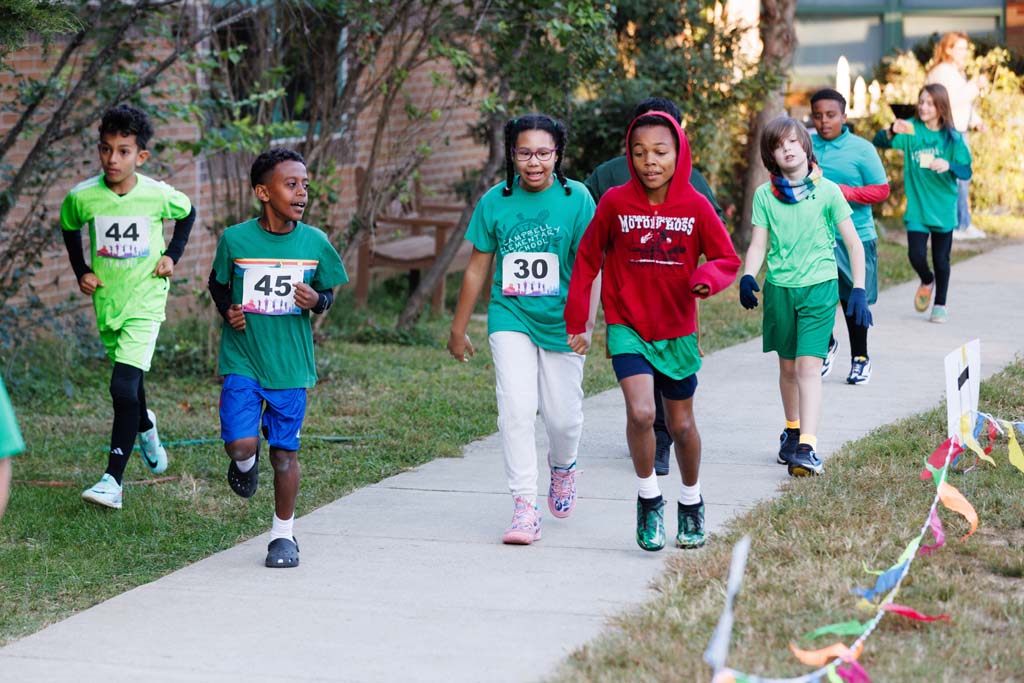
[276, 347]
[801, 236]
[127, 240]
[534, 236]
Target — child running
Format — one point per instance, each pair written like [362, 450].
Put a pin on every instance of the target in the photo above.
[795, 218]
[268, 274]
[646, 238]
[11, 443]
[534, 226]
[935, 156]
[128, 280]
[852, 163]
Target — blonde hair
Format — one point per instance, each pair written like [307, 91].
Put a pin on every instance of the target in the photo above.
[944, 45]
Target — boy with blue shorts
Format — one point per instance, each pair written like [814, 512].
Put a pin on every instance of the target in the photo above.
[793, 218]
[128, 280]
[268, 274]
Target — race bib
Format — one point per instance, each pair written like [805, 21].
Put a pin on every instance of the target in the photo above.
[122, 236]
[525, 273]
[270, 290]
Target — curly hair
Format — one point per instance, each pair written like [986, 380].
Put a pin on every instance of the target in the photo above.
[534, 122]
[127, 119]
[265, 163]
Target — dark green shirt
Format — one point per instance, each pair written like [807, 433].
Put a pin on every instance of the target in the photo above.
[615, 172]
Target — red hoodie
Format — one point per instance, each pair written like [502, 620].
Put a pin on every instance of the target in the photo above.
[649, 255]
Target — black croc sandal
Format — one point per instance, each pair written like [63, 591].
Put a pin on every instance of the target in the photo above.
[283, 553]
[244, 483]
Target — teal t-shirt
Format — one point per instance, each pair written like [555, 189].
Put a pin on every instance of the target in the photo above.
[931, 196]
[534, 236]
[801, 236]
[678, 358]
[127, 237]
[11, 442]
[852, 160]
[276, 347]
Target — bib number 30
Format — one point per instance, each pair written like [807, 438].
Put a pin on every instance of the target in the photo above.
[526, 273]
[270, 291]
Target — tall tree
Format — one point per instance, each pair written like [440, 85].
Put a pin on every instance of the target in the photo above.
[778, 41]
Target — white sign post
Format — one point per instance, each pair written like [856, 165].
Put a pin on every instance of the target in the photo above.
[963, 381]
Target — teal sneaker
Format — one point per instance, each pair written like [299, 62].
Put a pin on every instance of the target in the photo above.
[691, 525]
[105, 492]
[150, 448]
[650, 523]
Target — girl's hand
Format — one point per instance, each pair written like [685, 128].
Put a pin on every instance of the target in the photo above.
[236, 318]
[902, 126]
[580, 343]
[701, 291]
[459, 346]
[939, 165]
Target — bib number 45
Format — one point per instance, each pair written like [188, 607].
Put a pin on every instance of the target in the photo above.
[282, 285]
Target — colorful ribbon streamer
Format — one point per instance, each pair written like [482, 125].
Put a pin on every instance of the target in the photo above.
[935, 523]
[909, 613]
[955, 501]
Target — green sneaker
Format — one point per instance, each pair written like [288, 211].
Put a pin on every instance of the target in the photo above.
[691, 525]
[650, 523]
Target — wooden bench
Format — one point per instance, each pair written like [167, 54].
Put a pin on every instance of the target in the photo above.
[409, 243]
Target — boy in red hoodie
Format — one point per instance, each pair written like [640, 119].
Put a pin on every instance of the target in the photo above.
[647, 237]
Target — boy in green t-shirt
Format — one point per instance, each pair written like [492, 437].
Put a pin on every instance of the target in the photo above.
[11, 444]
[268, 274]
[128, 281]
[792, 221]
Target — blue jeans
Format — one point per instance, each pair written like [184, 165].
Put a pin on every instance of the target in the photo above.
[963, 202]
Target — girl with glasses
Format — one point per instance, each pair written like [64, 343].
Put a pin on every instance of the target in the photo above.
[531, 226]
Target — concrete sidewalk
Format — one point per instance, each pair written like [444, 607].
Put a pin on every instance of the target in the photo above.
[407, 580]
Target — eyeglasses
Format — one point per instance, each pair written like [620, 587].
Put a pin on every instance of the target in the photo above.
[542, 153]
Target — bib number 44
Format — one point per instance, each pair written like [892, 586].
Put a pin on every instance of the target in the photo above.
[122, 236]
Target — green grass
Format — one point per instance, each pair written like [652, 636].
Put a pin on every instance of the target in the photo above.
[807, 553]
[403, 393]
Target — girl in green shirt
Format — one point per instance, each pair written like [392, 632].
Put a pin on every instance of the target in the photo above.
[934, 156]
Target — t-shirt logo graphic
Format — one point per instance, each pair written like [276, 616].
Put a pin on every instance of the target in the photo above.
[122, 236]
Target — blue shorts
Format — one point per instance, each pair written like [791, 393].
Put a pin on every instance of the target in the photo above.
[242, 401]
[629, 364]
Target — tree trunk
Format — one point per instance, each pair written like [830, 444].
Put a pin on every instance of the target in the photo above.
[778, 40]
[495, 160]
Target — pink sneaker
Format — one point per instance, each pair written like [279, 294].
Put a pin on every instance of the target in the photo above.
[562, 494]
[525, 527]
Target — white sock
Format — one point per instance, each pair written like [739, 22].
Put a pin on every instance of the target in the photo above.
[689, 495]
[647, 487]
[282, 528]
[246, 465]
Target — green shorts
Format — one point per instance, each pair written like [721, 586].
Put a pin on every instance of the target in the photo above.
[846, 273]
[11, 442]
[798, 320]
[133, 344]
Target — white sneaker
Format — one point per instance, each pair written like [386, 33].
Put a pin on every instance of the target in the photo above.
[106, 492]
[860, 371]
[971, 232]
[830, 357]
[150, 448]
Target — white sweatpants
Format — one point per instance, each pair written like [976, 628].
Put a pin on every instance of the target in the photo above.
[529, 377]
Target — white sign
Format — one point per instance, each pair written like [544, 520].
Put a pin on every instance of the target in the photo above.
[963, 381]
[528, 273]
[122, 236]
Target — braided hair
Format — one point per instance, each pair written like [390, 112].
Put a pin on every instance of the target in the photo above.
[533, 122]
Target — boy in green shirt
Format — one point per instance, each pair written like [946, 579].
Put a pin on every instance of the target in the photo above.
[793, 219]
[128, 281]
[268, 274]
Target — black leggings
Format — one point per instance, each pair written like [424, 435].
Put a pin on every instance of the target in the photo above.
[858, 335]
[917, 251]
[129, 396]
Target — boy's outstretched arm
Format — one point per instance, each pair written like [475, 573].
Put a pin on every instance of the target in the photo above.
[721, 265]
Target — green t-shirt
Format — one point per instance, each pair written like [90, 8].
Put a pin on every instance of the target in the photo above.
[534, 236]
[11, 442]
[801, 236]
[931, 196]
[276, 347]
[678, 358]
[127, 237]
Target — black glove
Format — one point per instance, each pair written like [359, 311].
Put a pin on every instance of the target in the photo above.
[857, 307]
[748, 285]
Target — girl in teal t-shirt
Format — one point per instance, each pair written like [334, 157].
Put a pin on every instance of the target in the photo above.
[934, 157]
[531, 227]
